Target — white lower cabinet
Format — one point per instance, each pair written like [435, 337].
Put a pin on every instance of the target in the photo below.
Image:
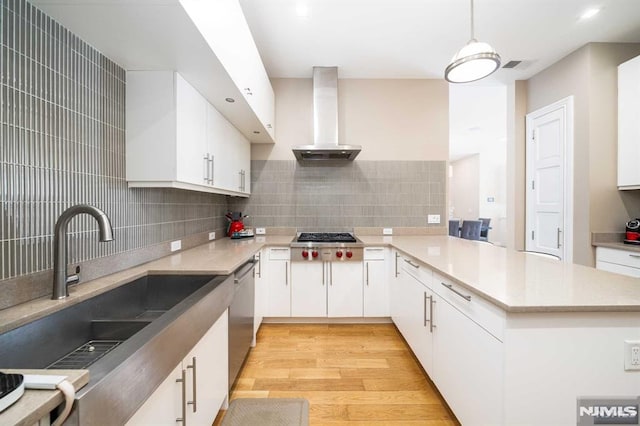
[196, 389]
[309, 289]
[321, 289]
[278, 282]
[261, 291]
[376, 282]
[344, 292]
[447, 331]
[625, 262]
[467, 366]
[395, 289]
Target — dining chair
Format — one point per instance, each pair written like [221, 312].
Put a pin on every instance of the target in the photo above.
[484, 229]
[454, 227]
[471, 229]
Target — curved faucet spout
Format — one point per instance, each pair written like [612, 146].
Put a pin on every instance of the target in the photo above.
[60, 289]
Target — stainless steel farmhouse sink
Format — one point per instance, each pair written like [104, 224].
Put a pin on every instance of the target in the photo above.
[129, 338]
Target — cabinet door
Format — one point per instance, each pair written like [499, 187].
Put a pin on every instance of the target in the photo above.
[208, 374]
[376, 289]
[261, 292]
[279, 297]
[344, 298]
[308, 289]
[628, 128]
[191, 130]
[224, 27]
[395, 289]
[467, 366]
[164, 406]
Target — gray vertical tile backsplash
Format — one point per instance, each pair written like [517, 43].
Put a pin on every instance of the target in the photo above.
[62, 142]
[344, 196]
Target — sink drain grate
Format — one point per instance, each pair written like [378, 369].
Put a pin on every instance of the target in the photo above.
[85, 355]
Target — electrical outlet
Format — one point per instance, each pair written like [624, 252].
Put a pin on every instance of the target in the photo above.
[261, 231]
[433, 218]
[387, 231]
[632, 355]
[176, 245]
[212, 236]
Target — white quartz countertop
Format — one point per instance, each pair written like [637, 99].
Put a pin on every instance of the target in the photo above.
[519, 282]
[219, 257]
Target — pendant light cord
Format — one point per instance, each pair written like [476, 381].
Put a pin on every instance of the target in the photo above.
[472, 29]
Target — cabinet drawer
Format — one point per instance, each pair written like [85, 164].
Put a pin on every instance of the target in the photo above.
[415, 269]
[374, 253]
[480, 311]
[618, 269]
[279, 253]
[620, 257]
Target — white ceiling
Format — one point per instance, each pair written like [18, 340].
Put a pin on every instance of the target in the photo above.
[417, 38]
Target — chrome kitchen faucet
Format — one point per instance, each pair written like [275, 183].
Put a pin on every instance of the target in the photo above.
[60, 279]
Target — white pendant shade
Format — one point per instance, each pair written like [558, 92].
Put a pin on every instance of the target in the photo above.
[474, 61]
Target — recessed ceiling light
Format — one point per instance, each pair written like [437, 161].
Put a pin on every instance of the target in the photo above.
[255, 132]
[230, 100]
[302, 10]
[589, 13]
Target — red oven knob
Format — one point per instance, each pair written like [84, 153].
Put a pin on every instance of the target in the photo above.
[349, 254]
[339, 254]
[305, 254]
[314, 253]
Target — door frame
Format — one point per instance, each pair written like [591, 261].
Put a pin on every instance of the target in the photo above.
[566, 105]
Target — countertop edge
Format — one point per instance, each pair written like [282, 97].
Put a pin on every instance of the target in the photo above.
[35, 404]
[41, 307]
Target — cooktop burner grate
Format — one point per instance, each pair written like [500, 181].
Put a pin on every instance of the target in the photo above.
[326, 237]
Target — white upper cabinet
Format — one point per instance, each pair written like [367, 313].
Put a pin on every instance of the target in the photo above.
[629, 124]
[207, 41]
[230, 153]
[225, 29]
[176, 139]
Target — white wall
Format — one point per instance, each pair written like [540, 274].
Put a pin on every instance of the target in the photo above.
[392, 119]
[478, 127]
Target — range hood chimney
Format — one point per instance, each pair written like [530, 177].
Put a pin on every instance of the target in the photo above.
[325, 121]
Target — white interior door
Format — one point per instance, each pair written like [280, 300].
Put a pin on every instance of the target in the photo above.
[549, 179]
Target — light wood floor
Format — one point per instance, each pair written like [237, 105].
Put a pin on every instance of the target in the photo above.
[351, 375]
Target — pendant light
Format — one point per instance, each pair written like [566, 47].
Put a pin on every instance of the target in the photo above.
[476, 60]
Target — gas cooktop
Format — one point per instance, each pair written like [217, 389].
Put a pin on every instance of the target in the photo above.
[326, 237]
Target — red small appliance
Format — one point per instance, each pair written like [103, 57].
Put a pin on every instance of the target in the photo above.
[632, 235]
[235, 223]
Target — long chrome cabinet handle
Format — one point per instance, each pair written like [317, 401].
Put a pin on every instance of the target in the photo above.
[411, 263]
[324, 266]
[367, 273]
[425, 308]
[558, 242]
[431, 324]
[211, 168]
[286, 273]
[193, 384]
[634, 255]
[205, 170]
[259, 266]
[183, 382]
[450, 287]
[397, 256]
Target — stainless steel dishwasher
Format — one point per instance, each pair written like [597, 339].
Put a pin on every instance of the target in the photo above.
[241, 314]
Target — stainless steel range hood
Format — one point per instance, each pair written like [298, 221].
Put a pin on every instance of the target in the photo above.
[325, 121]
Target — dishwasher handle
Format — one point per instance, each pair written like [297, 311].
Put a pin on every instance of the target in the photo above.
[244, 270]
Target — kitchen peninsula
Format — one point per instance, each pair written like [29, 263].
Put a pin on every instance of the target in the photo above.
[502, 329]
